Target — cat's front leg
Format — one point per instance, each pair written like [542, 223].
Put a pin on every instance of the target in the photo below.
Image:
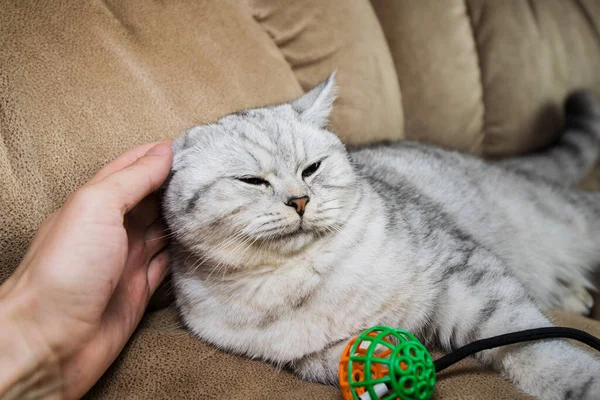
[486, 300]
[321, 367]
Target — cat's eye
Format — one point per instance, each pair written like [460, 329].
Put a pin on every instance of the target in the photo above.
[254, 181]
[311, 169]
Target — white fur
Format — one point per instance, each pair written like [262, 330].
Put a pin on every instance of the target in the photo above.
[438, 243]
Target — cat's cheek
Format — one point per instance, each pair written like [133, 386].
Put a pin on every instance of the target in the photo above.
[317, 225]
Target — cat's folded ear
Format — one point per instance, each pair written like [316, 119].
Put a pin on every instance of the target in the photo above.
[183, 144]
[315, 105]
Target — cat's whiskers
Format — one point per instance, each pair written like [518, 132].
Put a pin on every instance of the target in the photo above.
[330, 209]
[233, 251]
[337, 229]
[218, 282]
[240, 248]
[265, 230]
[217, 249]
[168, 235]
[235, 255]
[237, 293]
[330, 200]
[236, 261]
[271, 231]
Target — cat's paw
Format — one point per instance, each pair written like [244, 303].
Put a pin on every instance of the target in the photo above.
[554, 370]
[589, 390]
[321, 367]
[577, 299]
[593, 392]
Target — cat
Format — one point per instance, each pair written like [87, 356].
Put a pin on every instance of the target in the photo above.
[287, 244]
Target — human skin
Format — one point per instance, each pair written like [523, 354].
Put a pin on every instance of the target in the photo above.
[82, 287]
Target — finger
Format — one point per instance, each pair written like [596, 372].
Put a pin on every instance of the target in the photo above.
[155, 238]
[146, 212]
[86, 366]
[122, 161]
[157, 270]
[136, 181]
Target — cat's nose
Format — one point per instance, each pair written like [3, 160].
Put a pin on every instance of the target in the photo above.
[299, 203]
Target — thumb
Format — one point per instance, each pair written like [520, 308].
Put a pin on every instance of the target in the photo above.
[134, 182]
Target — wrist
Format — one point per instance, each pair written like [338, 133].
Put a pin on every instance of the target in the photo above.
[28, 365]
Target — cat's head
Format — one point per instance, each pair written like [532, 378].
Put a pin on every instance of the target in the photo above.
[269, 178]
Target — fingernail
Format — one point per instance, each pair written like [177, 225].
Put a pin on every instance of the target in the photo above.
[159, 150]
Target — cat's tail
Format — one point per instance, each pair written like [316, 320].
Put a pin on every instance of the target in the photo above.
[576, 153]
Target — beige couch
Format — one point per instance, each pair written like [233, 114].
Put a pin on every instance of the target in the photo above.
[82, 80]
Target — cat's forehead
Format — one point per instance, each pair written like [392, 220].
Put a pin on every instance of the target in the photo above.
[278, 139]
[271, 139]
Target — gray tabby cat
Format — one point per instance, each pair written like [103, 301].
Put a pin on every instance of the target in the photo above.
[283, 236]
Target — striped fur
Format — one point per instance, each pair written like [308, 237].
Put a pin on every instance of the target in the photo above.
[440, 243]
[575, 154]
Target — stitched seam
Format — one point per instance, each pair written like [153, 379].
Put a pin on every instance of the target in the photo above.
[483, 134]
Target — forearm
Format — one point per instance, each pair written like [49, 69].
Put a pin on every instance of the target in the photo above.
[28, 367]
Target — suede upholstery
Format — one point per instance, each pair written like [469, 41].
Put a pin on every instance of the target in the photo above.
[490, 76]
[81, 81]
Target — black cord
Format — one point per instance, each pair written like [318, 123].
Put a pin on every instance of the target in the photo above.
[512, 338]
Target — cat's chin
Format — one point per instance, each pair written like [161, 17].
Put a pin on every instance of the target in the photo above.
[292, 242]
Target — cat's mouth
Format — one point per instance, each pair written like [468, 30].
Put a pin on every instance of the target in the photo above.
[301, 230]
[292, 231]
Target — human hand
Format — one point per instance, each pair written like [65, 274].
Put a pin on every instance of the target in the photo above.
[83, 285]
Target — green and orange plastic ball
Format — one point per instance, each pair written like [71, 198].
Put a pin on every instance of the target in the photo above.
[384, 363]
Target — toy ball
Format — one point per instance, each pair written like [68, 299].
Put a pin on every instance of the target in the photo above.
[386, 364]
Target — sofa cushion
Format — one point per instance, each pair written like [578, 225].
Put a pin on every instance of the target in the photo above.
[317, 37]
[436, 62]
[490, 76]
